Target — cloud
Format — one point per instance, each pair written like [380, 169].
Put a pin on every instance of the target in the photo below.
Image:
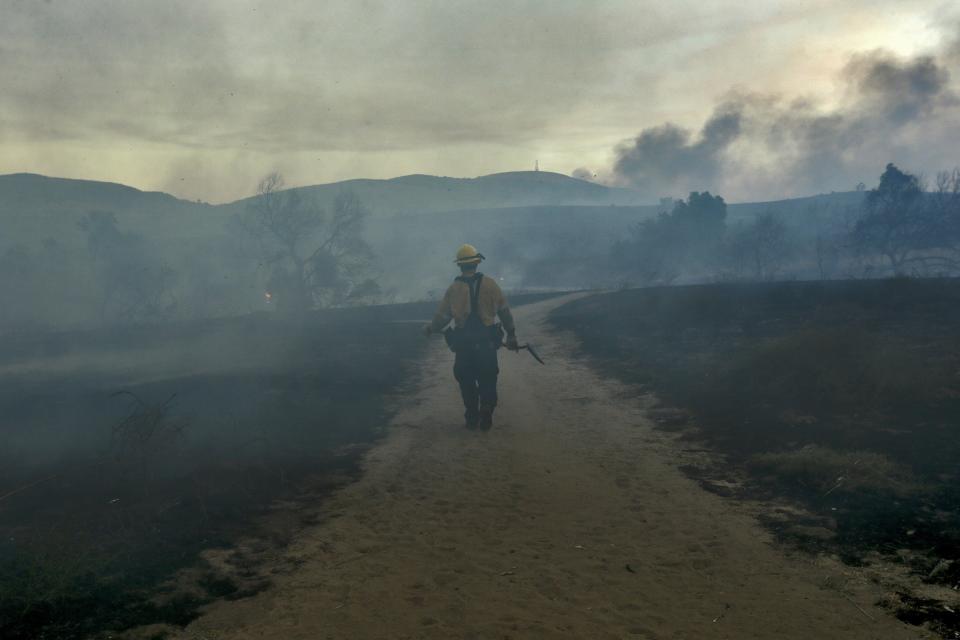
[357, 76]
[147, 92]
[233, 82]
[754, 144]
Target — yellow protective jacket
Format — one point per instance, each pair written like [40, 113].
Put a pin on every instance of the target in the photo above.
[490, 304]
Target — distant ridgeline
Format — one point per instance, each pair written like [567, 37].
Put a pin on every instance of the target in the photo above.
[77, 252]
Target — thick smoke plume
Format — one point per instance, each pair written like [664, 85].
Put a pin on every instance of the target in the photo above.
[661, 155]
[756, 145]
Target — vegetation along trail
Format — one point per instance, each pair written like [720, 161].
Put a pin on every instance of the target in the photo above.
[568, 519]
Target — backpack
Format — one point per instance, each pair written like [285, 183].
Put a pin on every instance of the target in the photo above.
[473, 334]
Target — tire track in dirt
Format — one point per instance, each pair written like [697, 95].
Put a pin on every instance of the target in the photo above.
[568, 519]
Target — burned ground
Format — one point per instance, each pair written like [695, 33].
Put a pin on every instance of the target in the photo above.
[841, 396]
[127, 452]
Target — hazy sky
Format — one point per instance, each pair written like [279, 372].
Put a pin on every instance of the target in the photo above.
[201, 98]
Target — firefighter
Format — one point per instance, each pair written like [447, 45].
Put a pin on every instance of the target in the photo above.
[473, 302]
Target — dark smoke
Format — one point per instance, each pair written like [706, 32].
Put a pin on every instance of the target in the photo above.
[897, 91]
[758, 145]
[666, 155]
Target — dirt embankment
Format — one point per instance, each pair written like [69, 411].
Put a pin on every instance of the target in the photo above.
[569, 519]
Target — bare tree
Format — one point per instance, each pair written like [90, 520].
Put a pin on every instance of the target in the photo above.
[760, 246]
[138, 292]
[916, 233]
[769, 246]
[828, 254]
[136, 285]
[945, 205]
[316, 256]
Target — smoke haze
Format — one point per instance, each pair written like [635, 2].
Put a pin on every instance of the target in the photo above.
[203, 99]
[902, 108]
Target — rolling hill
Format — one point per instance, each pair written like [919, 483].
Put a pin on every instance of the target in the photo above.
[34, 207]
[424, 194]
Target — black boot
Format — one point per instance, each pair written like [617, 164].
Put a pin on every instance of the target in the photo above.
[472, 420]
[486, 418]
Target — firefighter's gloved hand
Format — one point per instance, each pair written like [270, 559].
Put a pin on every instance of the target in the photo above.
[512, 343]
[428, 329]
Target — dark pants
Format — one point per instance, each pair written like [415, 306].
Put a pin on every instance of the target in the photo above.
[476, 371]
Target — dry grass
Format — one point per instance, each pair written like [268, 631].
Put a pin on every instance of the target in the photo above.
[828, 370]
[829, 471]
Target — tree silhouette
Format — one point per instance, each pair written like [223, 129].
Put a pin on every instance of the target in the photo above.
[911, 230]
[316, 256]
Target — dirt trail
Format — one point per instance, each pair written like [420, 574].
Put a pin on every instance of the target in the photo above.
[528, 532]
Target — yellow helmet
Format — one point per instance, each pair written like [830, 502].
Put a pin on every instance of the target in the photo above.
[468, 254]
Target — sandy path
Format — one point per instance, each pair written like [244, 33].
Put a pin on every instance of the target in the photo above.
[527, 531]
